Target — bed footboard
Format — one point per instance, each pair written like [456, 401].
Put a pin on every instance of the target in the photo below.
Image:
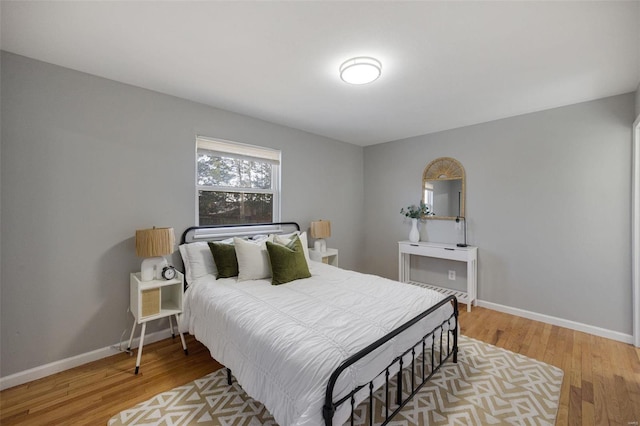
[423, 365]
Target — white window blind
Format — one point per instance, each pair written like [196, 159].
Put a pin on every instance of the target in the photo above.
[239, 150]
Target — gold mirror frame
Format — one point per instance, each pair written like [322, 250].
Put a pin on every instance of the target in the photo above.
[444, 168]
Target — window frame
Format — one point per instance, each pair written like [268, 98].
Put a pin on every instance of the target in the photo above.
[244, 152]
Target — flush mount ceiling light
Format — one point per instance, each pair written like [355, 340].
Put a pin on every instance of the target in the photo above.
[360, 70]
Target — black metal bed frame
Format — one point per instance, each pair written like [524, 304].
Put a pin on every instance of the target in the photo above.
[330, 405]
[185, 235]
[418, 379]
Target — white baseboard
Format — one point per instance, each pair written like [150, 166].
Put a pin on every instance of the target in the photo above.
[596, 331]
[74, 361]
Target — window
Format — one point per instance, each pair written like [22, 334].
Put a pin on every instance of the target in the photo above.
[237, 183]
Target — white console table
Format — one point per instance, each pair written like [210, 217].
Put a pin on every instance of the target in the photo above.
[442, 251]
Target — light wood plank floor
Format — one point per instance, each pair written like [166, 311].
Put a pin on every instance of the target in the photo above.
[601, 384]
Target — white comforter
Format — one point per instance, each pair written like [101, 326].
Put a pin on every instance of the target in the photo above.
[283, 342]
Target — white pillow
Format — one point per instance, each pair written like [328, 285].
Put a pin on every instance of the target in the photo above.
[198, 260]
[286, 238]
[253, 259]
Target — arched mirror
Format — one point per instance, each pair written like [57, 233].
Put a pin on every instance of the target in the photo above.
[443, 186]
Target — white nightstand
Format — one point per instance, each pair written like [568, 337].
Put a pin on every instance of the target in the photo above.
[152, 300]
[329, 257]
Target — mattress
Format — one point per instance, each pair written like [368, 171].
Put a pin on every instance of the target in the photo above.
[283, 342]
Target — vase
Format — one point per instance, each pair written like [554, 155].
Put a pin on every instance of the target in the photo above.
[414, 234]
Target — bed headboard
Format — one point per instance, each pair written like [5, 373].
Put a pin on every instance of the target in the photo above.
[197, 234]
[219, 232]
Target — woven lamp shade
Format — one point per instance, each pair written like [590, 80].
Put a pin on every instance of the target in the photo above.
[154, 242]
[321, 229]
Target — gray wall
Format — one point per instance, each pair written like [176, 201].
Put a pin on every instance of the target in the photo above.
[85, 162]
[547, 204]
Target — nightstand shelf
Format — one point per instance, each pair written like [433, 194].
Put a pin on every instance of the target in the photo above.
[152, 300]
[169, 294]
[330, 257]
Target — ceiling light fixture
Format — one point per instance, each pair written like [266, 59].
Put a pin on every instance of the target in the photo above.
[360, 70]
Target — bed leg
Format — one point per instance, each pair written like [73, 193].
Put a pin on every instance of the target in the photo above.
[455, 347]
[399, 390]
[455, 331]
[229, 376]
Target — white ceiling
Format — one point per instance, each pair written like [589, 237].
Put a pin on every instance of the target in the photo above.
[445, 64]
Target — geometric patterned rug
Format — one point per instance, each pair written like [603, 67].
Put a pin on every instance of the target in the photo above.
[488, 386]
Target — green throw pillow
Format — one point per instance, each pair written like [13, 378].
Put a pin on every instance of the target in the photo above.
[224, 256]
[287, 262]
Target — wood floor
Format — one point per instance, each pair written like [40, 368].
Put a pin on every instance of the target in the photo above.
[601, 384]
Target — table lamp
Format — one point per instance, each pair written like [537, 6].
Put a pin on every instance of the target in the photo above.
[320, 229]
[153, 244]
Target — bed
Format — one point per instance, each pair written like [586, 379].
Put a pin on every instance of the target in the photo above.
[312, 349]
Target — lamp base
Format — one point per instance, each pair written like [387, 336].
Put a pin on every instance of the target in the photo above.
[458, 219]
[320, 245]
[151, 268]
